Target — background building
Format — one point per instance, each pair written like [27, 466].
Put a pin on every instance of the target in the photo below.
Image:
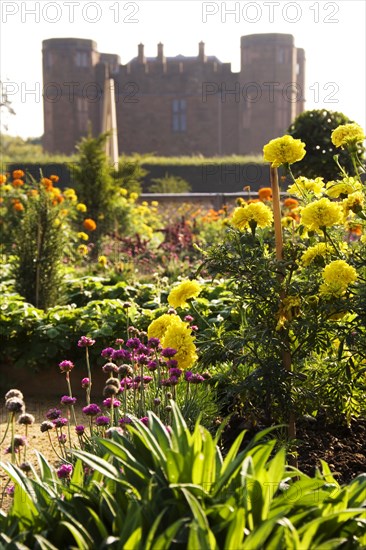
[174, 105]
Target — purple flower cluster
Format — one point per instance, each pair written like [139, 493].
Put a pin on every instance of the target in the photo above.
[66, 366]
[80, 429]
[65, 471]
[85, 342]
[168, 352]
[85, 383]
[102, 421]
[52, 414]
[92, 410]
[193, 378]
[60, 422]
[67, 400]
[108, 402]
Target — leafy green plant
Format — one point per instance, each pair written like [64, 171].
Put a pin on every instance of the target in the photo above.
[170, 184]
[94, 184]
[37, 268]
[154, 487]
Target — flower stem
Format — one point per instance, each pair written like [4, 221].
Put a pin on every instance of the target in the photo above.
[88, 389]
[7, 428]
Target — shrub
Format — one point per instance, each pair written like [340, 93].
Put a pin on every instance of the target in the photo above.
[170, 184]
[39, 249]
[315, 128]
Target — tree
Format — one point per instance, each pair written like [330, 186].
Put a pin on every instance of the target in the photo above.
[315, 128]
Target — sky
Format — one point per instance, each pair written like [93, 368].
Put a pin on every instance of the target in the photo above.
[331, 33]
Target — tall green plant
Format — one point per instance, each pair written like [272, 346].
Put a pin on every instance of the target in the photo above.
[94, 184]
[39, 248]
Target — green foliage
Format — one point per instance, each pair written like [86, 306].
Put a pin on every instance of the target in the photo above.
[170, 184]
[199, 160]
[151, 488]
[129, 174]
[39, 248]
[16, 149]
[94, 184]
[314, 128]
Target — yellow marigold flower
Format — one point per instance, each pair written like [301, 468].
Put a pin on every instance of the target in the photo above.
[18, 174]
[2, 179]
[57, 222]
[337, 275]
[347, 134]
[289, 308]
[345, 187]
[70, 195]
[102, 260]
[185, 291]
[89, 224]
[313, 252]
[159, 326]
[123, 191]
[320, 214]
[134, 196]
[81, 207]
[354, 202]
[154, 204]
[83, 236]
[7, 187]
[304, 185]
[265, 193]
[284, 150]
[82, 249]
[252, 214]
[64, 212]
[179, 336]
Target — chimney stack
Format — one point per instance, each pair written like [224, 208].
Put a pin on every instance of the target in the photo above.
[161, 57]
[141, 57]
[201, 52]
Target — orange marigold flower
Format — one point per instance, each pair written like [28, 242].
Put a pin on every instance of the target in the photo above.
[265, 194]
[18, 183]
[47, 183]
[291, 203]
[89, 224]
[2, 179]
[18, 206]
[54, 178]
[18, 174]
[33, 193]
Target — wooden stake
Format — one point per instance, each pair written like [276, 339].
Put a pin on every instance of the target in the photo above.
[286, 355]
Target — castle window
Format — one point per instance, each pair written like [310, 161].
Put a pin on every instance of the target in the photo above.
[82, 59]
[281, 55]
[179, 115]
[49, 60]
[82, 114]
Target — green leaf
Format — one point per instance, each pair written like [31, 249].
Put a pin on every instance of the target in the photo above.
[165, 539]
[44, 544]
[81, 536]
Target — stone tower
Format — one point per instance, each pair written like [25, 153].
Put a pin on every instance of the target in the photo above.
[272, 84]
